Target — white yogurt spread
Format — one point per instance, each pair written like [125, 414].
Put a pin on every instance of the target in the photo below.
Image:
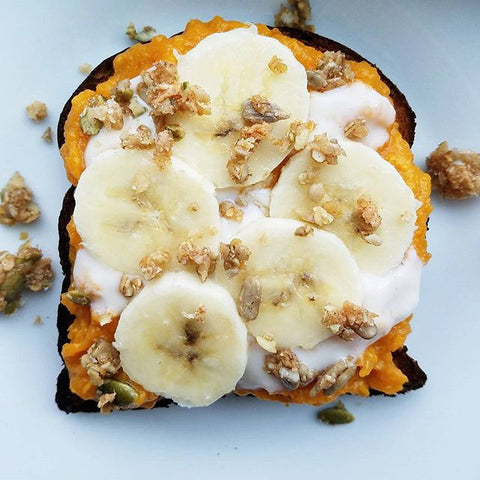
[334, 109]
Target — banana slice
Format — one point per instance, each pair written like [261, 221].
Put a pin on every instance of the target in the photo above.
[183, 339]
[335, 189]
[126, 208]
[298, 277]
[232, 67]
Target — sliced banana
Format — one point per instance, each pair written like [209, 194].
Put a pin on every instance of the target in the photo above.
[232, 67]
[298, 276]
[183, 339]
[361, 171]
[126, 208]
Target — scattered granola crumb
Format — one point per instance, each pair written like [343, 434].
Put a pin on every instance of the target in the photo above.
[455, 173]
[309, 176]
[250, 298]
[230, 211]
[24, 270]
[85, 68]
[162, 152]
[325, 150]
[37, 111]
[38, 320]
[106, 403]
[318, 216]
[47, 135]
[101, 113]
[286, 366]
[296, 15]
[153, 265]
[234, 255]
[258, 109]
[202, 258]
[101, 360]
[349, 320]
[277, 65]
[267, 343]
[250, 137]
[141, 139]
[336, 415]
[17, 205]
[332, 71]
[334, 377]
[357, 129]
[296, 137]
[366, 217]
[194, 101]
[129, 287]
[23, 236]
[304, 231]
[144, 36]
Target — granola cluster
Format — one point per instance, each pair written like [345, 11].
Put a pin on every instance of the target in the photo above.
[356, 129]
[234, 255]
[154, 265]
[101, 361]
[37, 111]
[455, 173]
[17, 205]
[297, 14]
[334, 377]
[286, 366]
[129, 286]
[258, 109]
[26, 270]
[350, 320]
[367, 220]
[202, 258]
[230, 211]
[250, 137]
[325, 150]
[332, 71]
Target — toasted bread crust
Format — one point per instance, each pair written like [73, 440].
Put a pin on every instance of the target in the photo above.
[405, 117]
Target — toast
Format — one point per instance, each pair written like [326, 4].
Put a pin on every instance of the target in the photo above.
[405, 121]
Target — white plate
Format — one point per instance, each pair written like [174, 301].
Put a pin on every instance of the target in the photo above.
[431, 52]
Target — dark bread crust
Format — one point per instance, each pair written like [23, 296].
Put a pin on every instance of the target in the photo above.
[71, 403]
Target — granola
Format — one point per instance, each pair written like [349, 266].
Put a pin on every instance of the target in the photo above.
[234, 255]
[101, 361]
[250, 298]
[325, 150]
[162, 151]
[356, 129]
[366, 217]
[27, 269]
[296, 15]
[142, 139]
[230, 211]
[129, 287]
[332, 71]
[455, 173]
[37, 111]
[202, 258]
[85, 68]
[318, 216]
[334, 377]
[153, 265]
[258, 109]
[17, 205]
[47, 135]
[144, 36]
[101, 113]
[296, 137]
[286, 366]
[250, 137]
[304, 231]
[349, 320]
[277, 66]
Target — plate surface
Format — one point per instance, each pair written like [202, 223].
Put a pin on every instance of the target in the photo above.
[430, 50]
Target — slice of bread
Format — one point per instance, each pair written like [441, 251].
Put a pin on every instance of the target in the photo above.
[405, 118]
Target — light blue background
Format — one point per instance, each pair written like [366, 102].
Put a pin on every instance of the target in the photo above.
[431, 51]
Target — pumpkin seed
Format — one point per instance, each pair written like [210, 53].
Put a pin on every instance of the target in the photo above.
[78, 297]
[336, 415]
[125, 394]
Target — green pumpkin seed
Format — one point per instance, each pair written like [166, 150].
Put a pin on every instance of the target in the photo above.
[89, 124]
[125, 394]
[136, 107]
[13, 285]
[78, 297]
[336, 415]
